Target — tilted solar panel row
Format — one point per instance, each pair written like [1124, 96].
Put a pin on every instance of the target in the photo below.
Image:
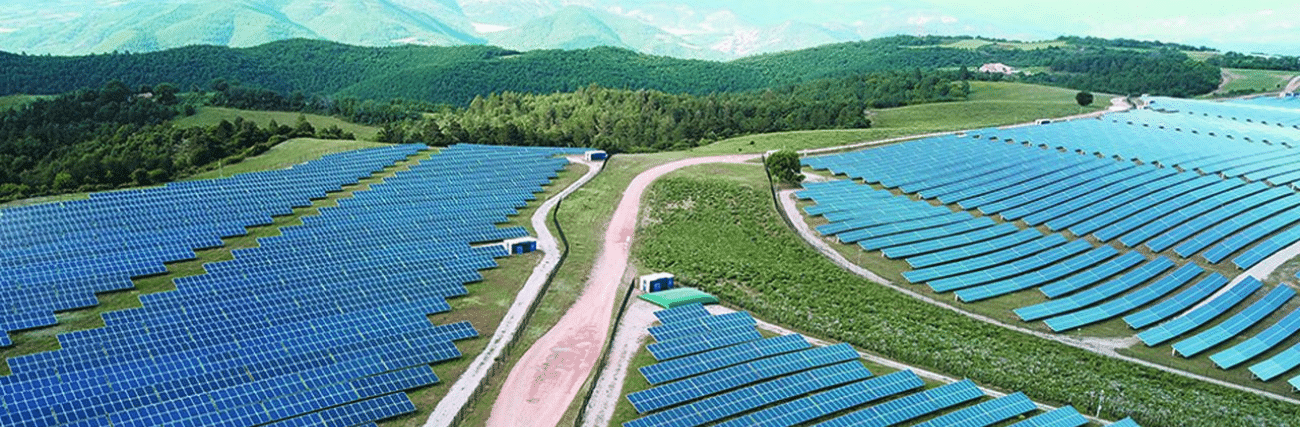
[1200, 315]
[159, 364]
[1234, 325]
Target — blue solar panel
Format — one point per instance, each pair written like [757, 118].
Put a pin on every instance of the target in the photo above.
[1065, 416]
[985, 413]
[331, 312]
[699, 325]
[1236, 324]
[724, 405]
[1200, 315]
[695, 364]
[1258, 344]
[1127, 422]
[822, 404]
[1183, 300]
[679, 313]
[675, 393]
[703, 341]
[1127, 302]
[910, 407]
[1092, 296]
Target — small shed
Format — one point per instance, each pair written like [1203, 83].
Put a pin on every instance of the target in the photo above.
[655, 282]
[679, 297]
[520, 245]
[596, 155]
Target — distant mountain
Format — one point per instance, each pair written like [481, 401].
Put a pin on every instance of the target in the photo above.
[576, 27]
[156, 25]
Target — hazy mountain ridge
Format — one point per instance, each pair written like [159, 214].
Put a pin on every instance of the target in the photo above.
[696, 30]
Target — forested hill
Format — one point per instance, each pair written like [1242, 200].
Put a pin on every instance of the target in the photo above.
[454, 75]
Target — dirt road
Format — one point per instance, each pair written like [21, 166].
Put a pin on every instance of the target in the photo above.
[463, 389]
[539, 388]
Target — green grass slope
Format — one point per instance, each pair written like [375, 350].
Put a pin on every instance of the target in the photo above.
[989, 104]
[208, 116]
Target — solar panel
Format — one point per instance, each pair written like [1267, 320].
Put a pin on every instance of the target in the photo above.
[1091, 296]
[1260, 343]
[731, 403]
[910, 407]
[1065, 416]
[985, 413]
[716, 359]
[1201, 314]
[822, 404]
[1126, 302]
[1126, 422]
[703, 341]
[703, 324]
[678, 392]
[1179, 302]
[1236, 324]
[679, 313]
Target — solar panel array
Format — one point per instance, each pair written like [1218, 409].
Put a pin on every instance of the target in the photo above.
[784, 381]
[57, 256]
[1062, 207]
[324, 325]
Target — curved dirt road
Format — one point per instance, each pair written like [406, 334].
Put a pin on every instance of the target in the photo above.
[463, 389]
[540, 387]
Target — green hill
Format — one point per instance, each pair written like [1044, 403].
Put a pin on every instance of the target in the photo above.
[454, 75]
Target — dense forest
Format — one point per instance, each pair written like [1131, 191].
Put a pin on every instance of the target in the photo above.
[1132, 73]
[644, 120]
[455, 75]
[98, 139]
[1258, 62]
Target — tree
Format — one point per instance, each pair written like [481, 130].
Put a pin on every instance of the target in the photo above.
[1084, 98]
[784, 165]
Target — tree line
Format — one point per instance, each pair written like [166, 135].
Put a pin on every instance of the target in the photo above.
[622, 120]
[455, 75]
[115, 136]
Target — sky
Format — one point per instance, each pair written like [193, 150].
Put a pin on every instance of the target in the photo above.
[1269, 26]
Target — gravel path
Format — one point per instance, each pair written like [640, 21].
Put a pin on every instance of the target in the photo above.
[548, 376]
[633, 330]
[1104, 346]
[1293, 85]
[463, 389]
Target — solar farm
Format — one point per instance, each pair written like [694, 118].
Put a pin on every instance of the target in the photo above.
[1142, 222]
[718, 370]
[327, 324]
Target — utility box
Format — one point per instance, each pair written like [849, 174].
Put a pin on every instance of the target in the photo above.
[521, 245]
[596, 155]
[656, 282]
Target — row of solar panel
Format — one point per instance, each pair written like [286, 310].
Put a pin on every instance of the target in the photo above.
[213, 336]
[779, 381]
[1157, 209]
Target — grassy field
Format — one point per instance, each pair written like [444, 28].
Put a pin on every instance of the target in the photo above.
[978, 43]
[712, 245]
[989, 104]
[286, 154]
[1254, 80]
[208, 116]
[14, 101]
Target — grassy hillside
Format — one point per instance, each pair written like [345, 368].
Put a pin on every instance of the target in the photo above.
[14, 101]
[703, 228]
[989, 104]
[1239, 80]
[285, 154]
[454, 75]
[208, 116]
